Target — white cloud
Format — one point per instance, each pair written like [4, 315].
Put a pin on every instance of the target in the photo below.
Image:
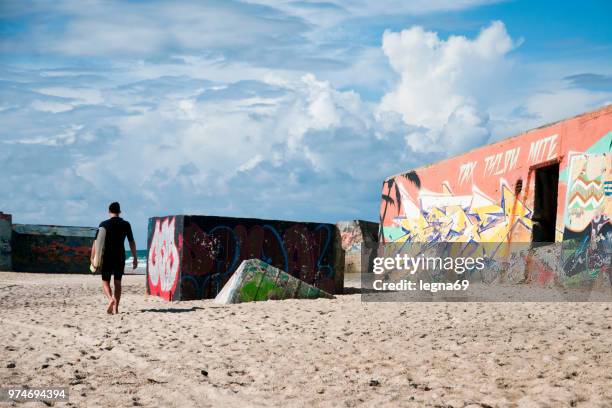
[153, 29]
[68, 136]
[441, 84]
[549, 106]
[62, 99]
[366, 7]
[248, 148]
[79, 95]
[459, 93]
[50, 106]
[332, 11]
[298, 121]
[542, 107]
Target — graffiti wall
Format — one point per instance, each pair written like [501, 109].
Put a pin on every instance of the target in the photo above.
[356, 236]
[192, 257]
[491, 194]
[587, 235]
[51, 249]
[487, 195]
[5, 241]
[165, 245]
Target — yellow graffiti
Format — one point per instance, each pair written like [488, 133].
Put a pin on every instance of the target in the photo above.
[445, 217]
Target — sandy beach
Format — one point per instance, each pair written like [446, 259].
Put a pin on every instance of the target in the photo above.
[340, 352]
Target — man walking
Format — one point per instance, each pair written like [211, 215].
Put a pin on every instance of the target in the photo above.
[113, 257]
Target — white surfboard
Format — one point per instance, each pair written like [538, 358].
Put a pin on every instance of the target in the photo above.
[96, 258]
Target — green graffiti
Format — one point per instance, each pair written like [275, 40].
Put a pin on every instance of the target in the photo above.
[256, 280]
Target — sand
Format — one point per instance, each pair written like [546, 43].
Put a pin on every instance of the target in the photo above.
[299, 353]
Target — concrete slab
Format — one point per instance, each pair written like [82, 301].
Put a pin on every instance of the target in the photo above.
[255, 280]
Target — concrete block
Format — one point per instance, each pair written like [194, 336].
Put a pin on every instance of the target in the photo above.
[255, 280]
[357, 237]
[51, 248]
[193, 256]
[5, 241]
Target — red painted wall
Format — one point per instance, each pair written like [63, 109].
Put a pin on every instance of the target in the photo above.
[472, 196]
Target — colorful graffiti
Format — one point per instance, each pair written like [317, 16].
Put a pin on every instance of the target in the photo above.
[51, 249]
[211, 248]
[357, 237]
[447, 217]
[587, 238]
[586, 200]
[488, 195]
[351, 235]
[255, 280]
[164, 260]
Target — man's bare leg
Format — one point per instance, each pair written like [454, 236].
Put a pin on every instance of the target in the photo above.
[109, 295]
[117, 294]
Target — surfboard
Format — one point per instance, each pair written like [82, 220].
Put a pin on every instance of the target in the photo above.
[96, 258]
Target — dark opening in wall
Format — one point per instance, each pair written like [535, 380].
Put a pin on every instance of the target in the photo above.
[545, 203]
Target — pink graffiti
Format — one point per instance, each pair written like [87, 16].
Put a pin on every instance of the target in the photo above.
[164, 262]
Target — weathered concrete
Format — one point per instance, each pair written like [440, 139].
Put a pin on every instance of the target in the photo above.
[51, 248]
[255, 280]
[5, 241]
[192, 257]
[358, 238]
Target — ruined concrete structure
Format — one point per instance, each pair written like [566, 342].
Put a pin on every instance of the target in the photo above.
[550, 184]
[51, 248]
[255, 280]
[356, 237]
[192, 256]
[44, 248]
[5, 241]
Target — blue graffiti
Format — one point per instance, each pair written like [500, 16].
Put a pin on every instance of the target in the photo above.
[268, 259]
[320, 267]
[221, 271]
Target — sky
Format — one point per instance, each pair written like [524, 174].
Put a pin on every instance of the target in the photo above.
[279, 109]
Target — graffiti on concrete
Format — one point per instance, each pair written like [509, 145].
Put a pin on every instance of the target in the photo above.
[585, 199]
[500, 193]
[211, 256]
[448, 217]
[357, 237]
[587, 238]
[51, 249]
[255, 280]
[212, 248]
[351, 235]
[164, 261]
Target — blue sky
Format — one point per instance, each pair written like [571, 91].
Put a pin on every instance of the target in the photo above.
[274, 109]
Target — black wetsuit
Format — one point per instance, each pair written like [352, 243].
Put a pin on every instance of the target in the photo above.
[113, 260]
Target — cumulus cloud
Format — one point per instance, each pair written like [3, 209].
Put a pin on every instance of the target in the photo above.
[279, 148]
[441, 84]
[459, 93]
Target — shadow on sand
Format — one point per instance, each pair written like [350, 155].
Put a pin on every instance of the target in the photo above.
[172, 310]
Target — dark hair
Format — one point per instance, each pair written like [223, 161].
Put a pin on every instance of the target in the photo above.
[114, 208]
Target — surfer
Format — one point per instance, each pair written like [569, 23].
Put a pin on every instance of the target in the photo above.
[111, 257]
